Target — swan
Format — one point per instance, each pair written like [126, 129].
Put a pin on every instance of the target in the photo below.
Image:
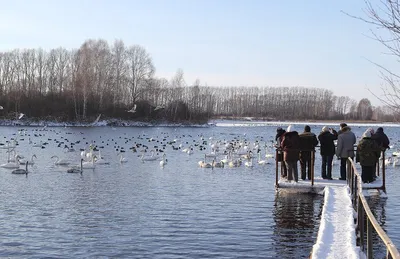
[204, 164]
[31, 162]
[163, 162]
[249, 162]
[11, 165]
[261, 162]
[60, 161]
[89, 164]
[152, 157]
[21, 171]
[100, 160]
[76, 170]
[122, 159]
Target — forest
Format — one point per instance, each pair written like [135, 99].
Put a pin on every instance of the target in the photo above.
[119, 82]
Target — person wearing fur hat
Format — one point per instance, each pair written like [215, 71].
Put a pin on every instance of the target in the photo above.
[308, 142]
[367, 154]
[327, 147]
[291, 148]
[345, 149]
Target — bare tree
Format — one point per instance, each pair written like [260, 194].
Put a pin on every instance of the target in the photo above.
[384, 17]
[140, 68]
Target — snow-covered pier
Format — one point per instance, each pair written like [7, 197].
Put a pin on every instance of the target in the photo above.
[343, 227]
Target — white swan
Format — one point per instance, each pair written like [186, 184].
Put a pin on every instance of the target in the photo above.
[261, 162]
[60, 161]
[76, 170]
[152, 157]
[21, 171]
[90, 164]
[11, 165]
[31, 162]
[163, 162]
[204, 164]
[100, 160]
[249, 162]
[122, 159]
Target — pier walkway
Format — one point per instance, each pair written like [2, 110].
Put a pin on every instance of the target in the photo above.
[347, 223]
[336, 234]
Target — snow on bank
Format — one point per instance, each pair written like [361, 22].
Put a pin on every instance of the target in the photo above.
[227, 123]
[100, 123]
[336, 234]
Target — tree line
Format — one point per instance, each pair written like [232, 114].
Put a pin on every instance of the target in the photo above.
[99, 78]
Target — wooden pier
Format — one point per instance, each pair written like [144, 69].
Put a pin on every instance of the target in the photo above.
[364, 219]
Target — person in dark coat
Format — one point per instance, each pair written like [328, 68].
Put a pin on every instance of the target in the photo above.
[308, 142]
[327, 146]
[345, 149]
[367, 154]
[278, 139]
[291, 151]
[381, 139]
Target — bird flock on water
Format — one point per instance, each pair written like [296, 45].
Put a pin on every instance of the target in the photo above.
[87, 153]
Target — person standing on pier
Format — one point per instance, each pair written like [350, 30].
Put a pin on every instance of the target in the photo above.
[308, 142]
[367, 154]
[326, 138]
[291, 149]
[345, 149]
[279, 158]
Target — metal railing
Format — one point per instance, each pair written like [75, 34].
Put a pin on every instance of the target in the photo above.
[380, 170]
[364, 213]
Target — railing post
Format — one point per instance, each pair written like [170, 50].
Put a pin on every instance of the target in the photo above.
[360, 212]
[276, 168]
[312, 167]
[369, 240]
[383, 172]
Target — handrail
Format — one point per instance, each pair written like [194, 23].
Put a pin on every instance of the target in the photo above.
[278, 149]
[355, 182]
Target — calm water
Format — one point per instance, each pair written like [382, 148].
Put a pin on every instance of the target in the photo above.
[140, 210]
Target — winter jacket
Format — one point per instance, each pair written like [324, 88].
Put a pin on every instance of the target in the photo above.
[381, 139]
[368, 152]
[291, 146]
[345, 143]
[326, 142]
[308, 142]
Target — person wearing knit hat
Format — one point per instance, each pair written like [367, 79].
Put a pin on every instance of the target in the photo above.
[327, 149]
[308, 142]
[367, 155]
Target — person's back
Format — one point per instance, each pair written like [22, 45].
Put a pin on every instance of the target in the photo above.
[381, 138]
[308, 141]
[326, 141]
[345, 144]
[327, 149]
[291, 148]
[345, 149]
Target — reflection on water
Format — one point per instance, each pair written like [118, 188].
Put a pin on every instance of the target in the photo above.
[296, 219]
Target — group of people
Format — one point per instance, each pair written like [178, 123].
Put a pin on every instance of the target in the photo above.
[293, 147]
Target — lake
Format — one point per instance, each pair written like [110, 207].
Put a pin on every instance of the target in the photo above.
[139, 209]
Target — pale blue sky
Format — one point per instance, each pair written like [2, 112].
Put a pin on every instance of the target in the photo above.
[221, 42]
